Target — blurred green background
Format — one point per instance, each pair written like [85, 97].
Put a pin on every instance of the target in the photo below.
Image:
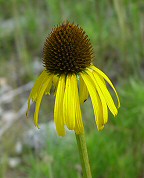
[116, 31]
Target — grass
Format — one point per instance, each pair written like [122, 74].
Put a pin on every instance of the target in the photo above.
[115, 29]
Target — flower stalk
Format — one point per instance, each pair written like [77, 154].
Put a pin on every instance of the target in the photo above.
[81, 142]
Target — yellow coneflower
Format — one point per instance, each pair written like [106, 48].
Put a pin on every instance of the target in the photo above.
[67, 58]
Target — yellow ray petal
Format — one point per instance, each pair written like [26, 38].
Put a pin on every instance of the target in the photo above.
[103, 102]
[106, 94]
[39, 98]
[100, 120]
[83, 91]
[55, 83]
[47, 91]
[95, 100]
[107, 79]
[104, 105]
[58, 109]
[38, 84]
[79, 129]
[69, 103]
[35, 89]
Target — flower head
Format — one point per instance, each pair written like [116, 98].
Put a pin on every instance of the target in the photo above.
[67, 58]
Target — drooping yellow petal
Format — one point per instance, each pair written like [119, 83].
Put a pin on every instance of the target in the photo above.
[47, 91]
[65, 102]
[95, 100]
[55, 83]
[107, 79]
[103, 102]
[38, 84]
[39, 97]
[83, 91]
[79, 129]
[58, 109]
[106, 94]
[104, 105]
[35, 89]
[100, 120]
[69, 102]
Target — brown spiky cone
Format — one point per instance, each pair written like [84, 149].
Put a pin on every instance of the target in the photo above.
[67, 50]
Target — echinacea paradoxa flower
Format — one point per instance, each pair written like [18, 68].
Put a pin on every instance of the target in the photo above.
[67, 58]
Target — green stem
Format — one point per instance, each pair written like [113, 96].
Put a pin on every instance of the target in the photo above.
[81, 142]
